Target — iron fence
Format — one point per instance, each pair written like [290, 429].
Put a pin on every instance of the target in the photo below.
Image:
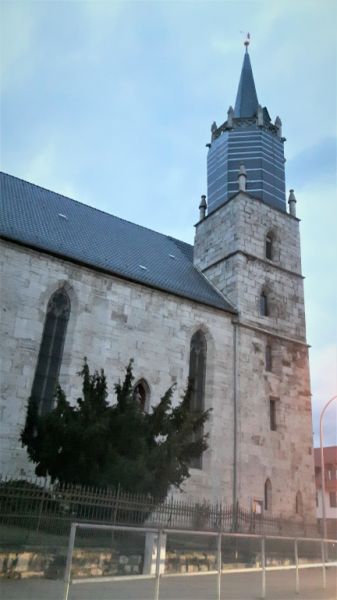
[51, 509]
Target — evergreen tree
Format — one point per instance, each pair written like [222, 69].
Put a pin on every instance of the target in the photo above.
[94, 443]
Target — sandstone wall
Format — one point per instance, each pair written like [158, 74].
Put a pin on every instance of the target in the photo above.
[111, 321]
[230, 250]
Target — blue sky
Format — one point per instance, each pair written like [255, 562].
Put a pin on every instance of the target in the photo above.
[111, 102]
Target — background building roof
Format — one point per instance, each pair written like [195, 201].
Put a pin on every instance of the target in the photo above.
[329, 454]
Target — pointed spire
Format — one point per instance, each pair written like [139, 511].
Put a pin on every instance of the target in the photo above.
[246, 103]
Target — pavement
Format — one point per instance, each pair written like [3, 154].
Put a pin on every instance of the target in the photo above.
[280, 585]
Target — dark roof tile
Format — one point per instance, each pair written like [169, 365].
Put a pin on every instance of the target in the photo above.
[50, 222]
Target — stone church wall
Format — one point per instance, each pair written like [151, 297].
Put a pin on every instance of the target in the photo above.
[111, 321]
[230, 249]
[285, 455]
[241, 225]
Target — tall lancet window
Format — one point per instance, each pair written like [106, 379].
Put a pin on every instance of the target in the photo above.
[51, 350]
[141, 394]
[197, 375]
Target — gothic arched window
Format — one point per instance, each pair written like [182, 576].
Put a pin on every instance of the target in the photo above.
[141, 394]
[267, 495]
[51, 350]
[264, 309]
[197, 375]
[299, 504]
[269, 246]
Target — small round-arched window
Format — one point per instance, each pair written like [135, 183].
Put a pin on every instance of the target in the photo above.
[141, 394]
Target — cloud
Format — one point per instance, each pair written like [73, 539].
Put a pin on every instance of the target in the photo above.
[324, 386]
[48, 168]
[317, 162]
[99, 12]
[317, 208]
[17, 41]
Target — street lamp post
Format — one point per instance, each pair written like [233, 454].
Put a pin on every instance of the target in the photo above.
[322, 463]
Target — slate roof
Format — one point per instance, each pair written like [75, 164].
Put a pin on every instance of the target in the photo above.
[50, 222]
[246, 103]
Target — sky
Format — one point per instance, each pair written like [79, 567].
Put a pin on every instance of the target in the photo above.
[111, 103]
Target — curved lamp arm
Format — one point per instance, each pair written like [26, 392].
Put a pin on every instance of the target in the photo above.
[322, 462]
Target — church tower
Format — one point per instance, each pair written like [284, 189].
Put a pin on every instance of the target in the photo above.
[247, 244]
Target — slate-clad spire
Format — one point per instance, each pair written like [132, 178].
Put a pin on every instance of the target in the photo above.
[248, 135]
[246, 103]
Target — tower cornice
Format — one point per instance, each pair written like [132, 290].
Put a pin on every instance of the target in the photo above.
[251, 197]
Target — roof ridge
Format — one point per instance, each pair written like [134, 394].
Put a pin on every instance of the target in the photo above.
[97, 209]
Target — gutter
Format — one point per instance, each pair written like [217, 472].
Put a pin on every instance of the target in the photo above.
[235, 406]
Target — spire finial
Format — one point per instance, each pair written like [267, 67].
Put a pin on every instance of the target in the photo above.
[247, 41]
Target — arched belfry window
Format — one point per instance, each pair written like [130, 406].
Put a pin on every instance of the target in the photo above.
[197, 376]
[267, 495]
[299, 504]
[269, 357]
[264, 308]
[51, 350]
[141, 394]
[269, 250]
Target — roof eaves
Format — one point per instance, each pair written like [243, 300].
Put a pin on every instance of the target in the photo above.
[196, 299]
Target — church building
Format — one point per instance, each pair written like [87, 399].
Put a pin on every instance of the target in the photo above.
[227, 312]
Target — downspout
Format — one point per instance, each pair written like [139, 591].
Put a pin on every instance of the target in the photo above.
[235, 408]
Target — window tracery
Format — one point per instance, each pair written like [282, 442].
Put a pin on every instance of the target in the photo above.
[197, 375]
[51, 350]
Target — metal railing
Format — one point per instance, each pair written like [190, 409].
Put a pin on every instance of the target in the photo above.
[221, 568]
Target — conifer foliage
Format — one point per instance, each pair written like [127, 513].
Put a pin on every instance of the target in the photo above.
[96, 443]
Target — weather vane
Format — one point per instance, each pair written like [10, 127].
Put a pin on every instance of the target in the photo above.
[247, 40]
